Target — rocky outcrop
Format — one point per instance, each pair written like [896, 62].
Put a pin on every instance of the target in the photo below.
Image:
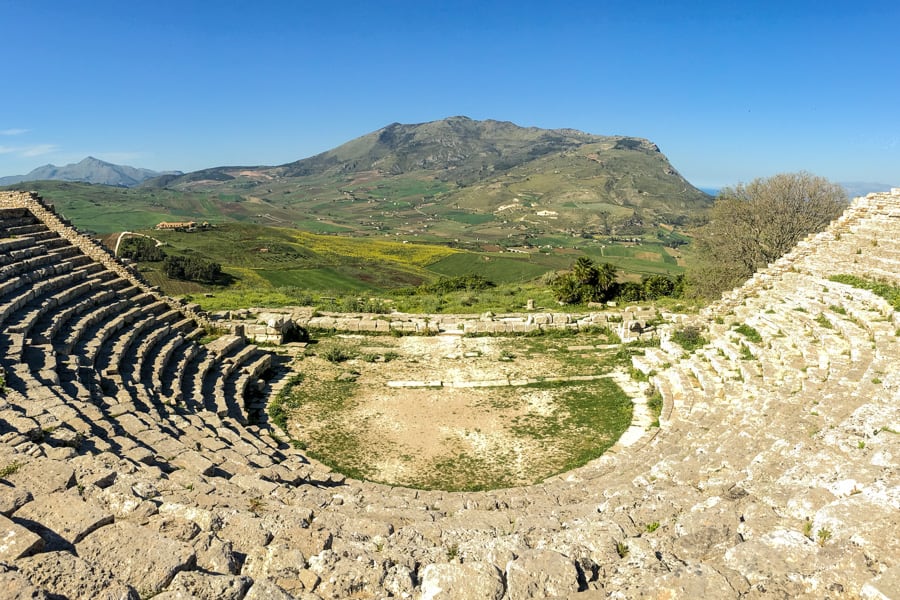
[773, 472]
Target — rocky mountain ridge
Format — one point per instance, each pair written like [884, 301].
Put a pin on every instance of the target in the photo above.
[462, 178]
[88, 170]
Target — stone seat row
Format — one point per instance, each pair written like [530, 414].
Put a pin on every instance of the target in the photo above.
[83, 325]
[716, 504]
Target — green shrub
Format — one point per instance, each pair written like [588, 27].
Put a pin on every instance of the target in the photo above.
[823, 321]
[10, 469]
[337, 354]
[689, 338]
[141, 249]
[749, 332]
[655, 404]
[192, 268]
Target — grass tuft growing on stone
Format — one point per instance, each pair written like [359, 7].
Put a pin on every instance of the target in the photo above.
[10, 469]
[888, 291]
[749, 332]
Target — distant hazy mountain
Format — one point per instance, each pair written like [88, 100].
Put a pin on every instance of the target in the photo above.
[89, 170]
[861, 188]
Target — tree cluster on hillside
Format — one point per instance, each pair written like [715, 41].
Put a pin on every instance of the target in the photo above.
[141, 249]
[651, 287]
[753, 225]
[587, 281]
[445, 285]
[192, 268]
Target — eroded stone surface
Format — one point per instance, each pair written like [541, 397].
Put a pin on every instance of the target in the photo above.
[16, 541]
[773, 473]
[448, 581]
[64, 514]
[137, 556]
[64, 574]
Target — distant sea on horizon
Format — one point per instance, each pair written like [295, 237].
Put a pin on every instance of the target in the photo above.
[710, 191]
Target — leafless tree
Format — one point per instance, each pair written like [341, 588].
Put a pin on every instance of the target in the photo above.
[752, 225]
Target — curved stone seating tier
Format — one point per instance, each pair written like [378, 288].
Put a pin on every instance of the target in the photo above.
[773, 473]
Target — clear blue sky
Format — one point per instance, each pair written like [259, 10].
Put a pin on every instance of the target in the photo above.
[729, 90]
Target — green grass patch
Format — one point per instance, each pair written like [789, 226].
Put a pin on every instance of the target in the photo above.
[886, 290]
[749, 332]
[280, 405]
[655, 404]
[495, 267]
[558, 425]
[588, 419]
[689, 338]
[823, 321]
[469, 218]
[325, 278]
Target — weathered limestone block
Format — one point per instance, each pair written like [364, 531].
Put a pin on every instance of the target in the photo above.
[466, 581]
[706, 531]
[209, 586]
[778, 552]
[271, 319]
[366, 528]
[43, 476]
[66, 515]
[16, 541]
[67, 575]
[346, 579]
[368, 325]
[145, 560]
[175, 595]
[399, 581]
[13, 421]
[884, 587]
[12, 499]
[215, 555]
[254, 484]
[195, 462]
[244, 532]
[277, 561]
[263, 589]
[683, 582]
[174, 528]
[310, 541]
[540, 573]
[121, 499]
[16, 586]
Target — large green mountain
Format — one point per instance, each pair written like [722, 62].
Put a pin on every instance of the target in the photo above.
[460, 179]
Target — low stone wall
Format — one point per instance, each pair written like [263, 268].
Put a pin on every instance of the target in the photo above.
[267, 325]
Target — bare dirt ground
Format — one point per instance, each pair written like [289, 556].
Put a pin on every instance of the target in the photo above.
[412, 410]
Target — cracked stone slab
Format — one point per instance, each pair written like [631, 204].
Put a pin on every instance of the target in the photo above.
[146, 560]
[64, 574]
[66, 515]
[16, 541]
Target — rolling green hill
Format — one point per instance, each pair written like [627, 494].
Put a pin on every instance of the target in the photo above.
[271, 266]
[465, 180]
[407, 204]
[455, 181]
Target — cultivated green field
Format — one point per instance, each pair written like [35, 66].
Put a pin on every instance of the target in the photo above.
[342, 250]
[271, 266]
